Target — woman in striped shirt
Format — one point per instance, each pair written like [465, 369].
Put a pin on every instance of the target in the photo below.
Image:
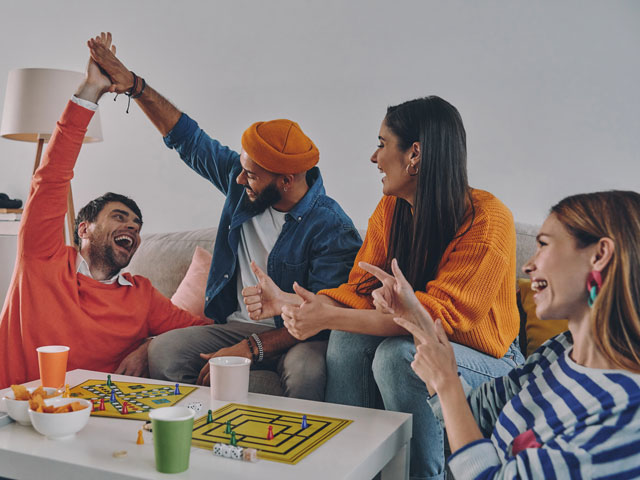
[573, 409]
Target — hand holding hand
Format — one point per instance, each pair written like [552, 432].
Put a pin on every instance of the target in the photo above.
[240, 349]
[263, 300]
[136, 364]
[434, 361]
[101, 53]
[308, 318]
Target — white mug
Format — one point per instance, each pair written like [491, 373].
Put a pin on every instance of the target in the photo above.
[229, 378]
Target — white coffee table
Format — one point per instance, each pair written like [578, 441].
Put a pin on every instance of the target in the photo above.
[376, 440]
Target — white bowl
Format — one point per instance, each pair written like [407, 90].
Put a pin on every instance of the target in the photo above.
[19, 409]
[61, 425]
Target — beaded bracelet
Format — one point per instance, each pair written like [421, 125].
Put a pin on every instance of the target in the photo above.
[254, 355]
[256, 339]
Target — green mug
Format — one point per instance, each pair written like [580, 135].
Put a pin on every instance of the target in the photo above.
[172, 429]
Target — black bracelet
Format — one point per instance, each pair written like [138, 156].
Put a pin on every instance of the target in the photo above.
[144, 84]
[254, 355]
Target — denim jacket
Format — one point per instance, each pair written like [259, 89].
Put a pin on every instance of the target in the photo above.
[317, 245]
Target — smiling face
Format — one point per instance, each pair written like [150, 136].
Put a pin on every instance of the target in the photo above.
[558, 272]
[260, 185]
[392, 163]
[112, 239]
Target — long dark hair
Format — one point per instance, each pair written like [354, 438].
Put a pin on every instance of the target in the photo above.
[418, 239]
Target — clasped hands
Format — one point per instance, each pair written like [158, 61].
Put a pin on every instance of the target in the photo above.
[434, 361]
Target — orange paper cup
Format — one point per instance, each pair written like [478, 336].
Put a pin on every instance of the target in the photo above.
[52, 360]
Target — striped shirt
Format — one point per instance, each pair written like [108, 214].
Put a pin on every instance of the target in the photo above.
[581, 422]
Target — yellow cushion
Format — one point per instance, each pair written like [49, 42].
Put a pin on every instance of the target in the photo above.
[538, 331]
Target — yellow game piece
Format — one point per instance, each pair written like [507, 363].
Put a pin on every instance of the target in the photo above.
[140, 440]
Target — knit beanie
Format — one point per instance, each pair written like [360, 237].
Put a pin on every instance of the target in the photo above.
[280, 146]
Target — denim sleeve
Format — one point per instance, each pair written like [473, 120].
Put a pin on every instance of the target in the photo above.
[206, 156]
[332, 257]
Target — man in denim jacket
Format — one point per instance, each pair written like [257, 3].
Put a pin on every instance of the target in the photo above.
[276, 218]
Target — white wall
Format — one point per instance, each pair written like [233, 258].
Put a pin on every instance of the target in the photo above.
[549, 91]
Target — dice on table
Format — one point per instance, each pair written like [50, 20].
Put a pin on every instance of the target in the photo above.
[195, 406]
[217, 449]
[236, 453]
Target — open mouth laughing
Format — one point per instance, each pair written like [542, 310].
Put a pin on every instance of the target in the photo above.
[125, 241]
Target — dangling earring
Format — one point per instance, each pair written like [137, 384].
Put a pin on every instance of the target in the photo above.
[594, 284]
[414, 168]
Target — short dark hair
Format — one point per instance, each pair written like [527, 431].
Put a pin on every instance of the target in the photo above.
[91, 210]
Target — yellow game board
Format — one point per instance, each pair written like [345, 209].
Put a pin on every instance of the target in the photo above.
[290, 442]
[140, 397]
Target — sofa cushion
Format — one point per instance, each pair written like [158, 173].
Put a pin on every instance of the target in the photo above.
[164, 258]
[191, 292]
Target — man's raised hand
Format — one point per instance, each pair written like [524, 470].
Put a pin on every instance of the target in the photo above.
[104, 54]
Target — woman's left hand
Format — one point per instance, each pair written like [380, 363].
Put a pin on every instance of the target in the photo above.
[434, 361]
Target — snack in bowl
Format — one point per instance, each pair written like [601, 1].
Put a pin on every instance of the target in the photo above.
[17, 401]
[61, 417]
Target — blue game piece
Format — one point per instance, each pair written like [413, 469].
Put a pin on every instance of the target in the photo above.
[304, 422]
[113, 396]
[177, 391]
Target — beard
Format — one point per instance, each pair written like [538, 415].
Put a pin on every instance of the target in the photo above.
[104, 256]
[265, 199]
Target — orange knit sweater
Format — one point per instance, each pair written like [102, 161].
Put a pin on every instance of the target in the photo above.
[48, 303]
[474, 290]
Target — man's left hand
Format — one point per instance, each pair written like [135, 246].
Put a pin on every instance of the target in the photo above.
[136, 364]
[240, 349]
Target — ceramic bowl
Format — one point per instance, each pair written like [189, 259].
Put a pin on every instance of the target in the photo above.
[58, 426]
[19, 409]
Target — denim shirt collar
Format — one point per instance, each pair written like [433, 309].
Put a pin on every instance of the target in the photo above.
[304, 206]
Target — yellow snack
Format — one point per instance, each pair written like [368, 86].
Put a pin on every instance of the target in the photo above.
[20, 392]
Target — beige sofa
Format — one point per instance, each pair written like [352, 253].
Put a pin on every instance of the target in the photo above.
[165, 257]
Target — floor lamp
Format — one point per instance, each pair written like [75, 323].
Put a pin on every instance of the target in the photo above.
[33, 102]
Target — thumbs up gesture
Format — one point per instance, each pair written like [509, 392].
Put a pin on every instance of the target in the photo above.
[308, 318]
[265, 299]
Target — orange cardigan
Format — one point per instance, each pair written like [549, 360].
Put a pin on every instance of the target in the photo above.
[474, 290]
[48, 303]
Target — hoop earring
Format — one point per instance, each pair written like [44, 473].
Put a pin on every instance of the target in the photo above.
[594, 284]
[415, 169]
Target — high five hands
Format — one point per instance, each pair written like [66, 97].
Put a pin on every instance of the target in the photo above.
[105, 56]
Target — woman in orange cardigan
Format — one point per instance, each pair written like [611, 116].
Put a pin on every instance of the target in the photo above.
[457, 247]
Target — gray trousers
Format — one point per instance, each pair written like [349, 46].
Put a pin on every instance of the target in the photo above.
[175, 356]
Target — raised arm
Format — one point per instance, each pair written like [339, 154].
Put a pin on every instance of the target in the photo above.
[41, 230]
[160, 111]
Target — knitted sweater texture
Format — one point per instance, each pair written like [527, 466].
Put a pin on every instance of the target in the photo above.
[48, 303]
[473, 292]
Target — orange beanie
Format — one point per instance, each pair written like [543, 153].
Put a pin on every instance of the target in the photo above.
[280, 146]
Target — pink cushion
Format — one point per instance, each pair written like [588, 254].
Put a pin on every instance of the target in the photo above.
[191, 292]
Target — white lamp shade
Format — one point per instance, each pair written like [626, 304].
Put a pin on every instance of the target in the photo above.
[34, 101]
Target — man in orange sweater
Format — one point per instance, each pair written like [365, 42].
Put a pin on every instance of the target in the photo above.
[61, 296]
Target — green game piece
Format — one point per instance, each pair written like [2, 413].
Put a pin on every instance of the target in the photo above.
[108, 380]
[233, 441]
[209, 416]
[228, 429]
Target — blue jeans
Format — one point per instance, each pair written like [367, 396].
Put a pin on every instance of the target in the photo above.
[369, 371]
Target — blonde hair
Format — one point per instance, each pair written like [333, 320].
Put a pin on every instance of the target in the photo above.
[615, 317]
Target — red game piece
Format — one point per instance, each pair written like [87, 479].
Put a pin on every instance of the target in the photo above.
[270, 433]
[101, 407]
[125, 408]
